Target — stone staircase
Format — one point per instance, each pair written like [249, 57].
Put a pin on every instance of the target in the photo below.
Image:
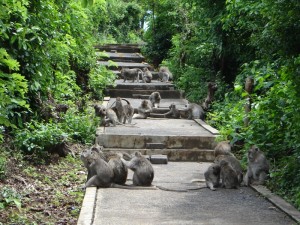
[180, 139]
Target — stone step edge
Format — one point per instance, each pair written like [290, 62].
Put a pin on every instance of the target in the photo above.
[182, 155]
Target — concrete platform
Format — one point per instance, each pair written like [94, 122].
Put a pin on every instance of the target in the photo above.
[164, 103]
[122, 56]
[124, 64]
[136, 93]
[155, 84]
[221, 207]
[172, 133]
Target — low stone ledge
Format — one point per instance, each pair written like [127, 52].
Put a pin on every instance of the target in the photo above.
[86, 215]
[278, 202]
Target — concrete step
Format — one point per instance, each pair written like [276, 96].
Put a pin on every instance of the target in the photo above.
[166, 133]
[189, 155]
[154, 85]
[154, 75]
[119, 65]
[163, 107]
[139, 93]
[121, 57]
[126, 48]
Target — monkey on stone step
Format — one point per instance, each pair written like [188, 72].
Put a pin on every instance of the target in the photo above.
[108, 116]
[133, 74]
[144, 110]
[222, 148]
[258, 167]
[155, 98]
[164, 74]
[192, 111]
[147, 75]
[124, 112]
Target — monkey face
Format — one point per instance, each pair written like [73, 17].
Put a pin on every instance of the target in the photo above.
[252, 153]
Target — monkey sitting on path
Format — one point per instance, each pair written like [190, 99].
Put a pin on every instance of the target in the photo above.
[108, 116]
[222, 148]
[147, 75]
[212, 176]
[228, 175]
[164, 74]
[192, 111]
[142, 168]
[144, 110]
[115, 163]
[258, 167]
[133, 74]
[234, 163]
[124, 112]
[155, 98]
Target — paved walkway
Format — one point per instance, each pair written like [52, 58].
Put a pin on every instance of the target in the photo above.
[222, 207]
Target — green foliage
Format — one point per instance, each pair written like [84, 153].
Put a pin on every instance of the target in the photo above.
[37, 137]
[100, 77]
[13, 88]
[9, 197]
[3, 166]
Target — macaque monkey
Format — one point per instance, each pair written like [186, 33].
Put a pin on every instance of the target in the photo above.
[147, 75]
[133, 74]
[108, 116]
[258, 167]
[155, 98]
[223, 148]
[192, 111]
[124, 112]
[144, 110]
[164, 74]
[228, 175]
[142, 168]
[234, 163]
[212, 176]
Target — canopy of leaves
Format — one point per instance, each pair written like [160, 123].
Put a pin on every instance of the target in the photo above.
[225, 42]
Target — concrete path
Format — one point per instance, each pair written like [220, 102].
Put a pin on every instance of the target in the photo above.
[221, 207]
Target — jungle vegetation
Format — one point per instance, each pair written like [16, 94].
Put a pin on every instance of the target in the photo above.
[47, 57]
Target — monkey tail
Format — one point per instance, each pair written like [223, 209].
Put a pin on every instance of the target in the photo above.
[133, 187]
[126, 101]
[180, 190]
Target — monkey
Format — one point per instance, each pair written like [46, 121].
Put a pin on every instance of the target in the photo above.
[212, 87]
[114, 161]
[124, 112]
[61, 108]
[234, 163]
[212, 176]
[100, 173]
[147, 75]
[222, 148]
[133, 74]
[142, 168]
[164, 74]
[258, 167]
[107, 116]
[173, 113]
[144, 110]
[155, 98]
[192, 111]
[228, 175]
